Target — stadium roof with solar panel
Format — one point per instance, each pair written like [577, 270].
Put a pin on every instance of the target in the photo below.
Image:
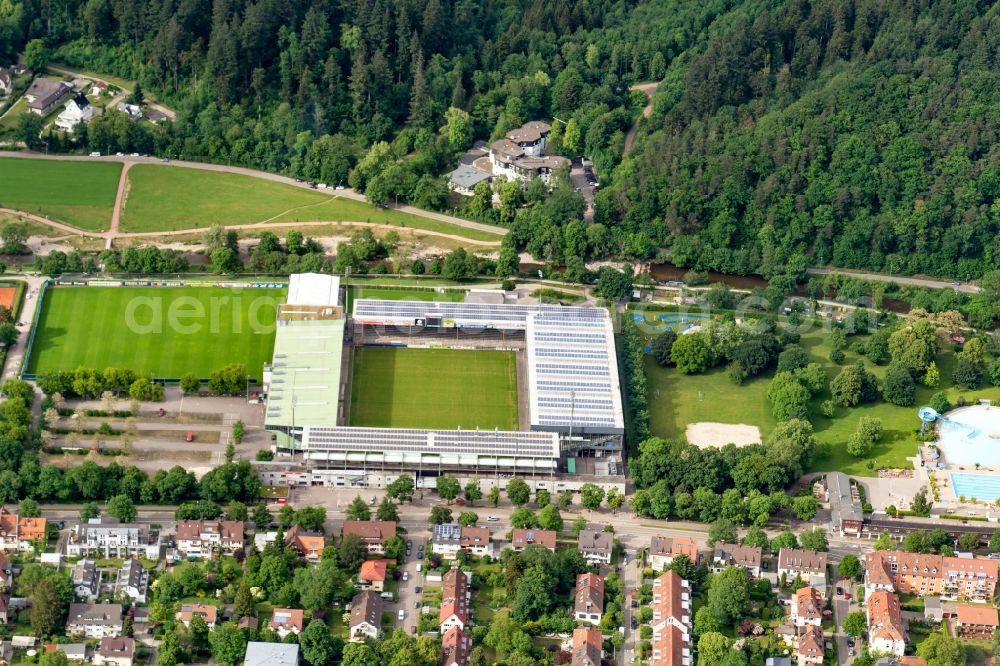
[573, 390]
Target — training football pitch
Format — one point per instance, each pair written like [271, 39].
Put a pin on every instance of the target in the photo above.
[164, 331]
[78, 193]
[434, 388]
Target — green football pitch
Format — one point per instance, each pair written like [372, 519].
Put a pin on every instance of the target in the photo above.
[434, 388]
[165, 331]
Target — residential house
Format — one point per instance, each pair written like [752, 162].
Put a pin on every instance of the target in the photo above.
[286, 621]
[373, 575]
[588, 603]
[6, 572]
[671, 621]
[520, 155]
[366, 616]
[930, 575]
[373, 533]
[448, 539]
[455, 600]
[521, 538]
[464, 179]
[17, 533]
[75, 652]
[807, 607]
[809, 565]
[735, 555]
[98, 88]
[596, 547]
[207, 612]
[4, 608]
[588, 646]
[86, 579]
[271, 654]
[663, 550]
[845, 507]
[44, 95]
[976, 621]
[113, 540]
[778, 661]
[933, 609]
[132, 581]
[455, 647]
[202, 538]
[114, 652]
[309, 545]
[886, 631]
[6, 82]
[94, 620]
[809, 645]
[78, 110]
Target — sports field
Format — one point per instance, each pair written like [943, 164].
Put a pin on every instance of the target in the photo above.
[434, 388]
[165, 331]
[78, 193]
[167, 198]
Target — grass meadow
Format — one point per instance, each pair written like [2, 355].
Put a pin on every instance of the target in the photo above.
[165, 331]
[81, 194]
[166, 198]
[434, 388]
[677, 400]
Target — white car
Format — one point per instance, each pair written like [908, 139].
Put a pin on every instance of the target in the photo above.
[492, 519]
[406, 576]
[401, 614]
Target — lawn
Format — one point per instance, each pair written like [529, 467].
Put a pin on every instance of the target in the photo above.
[434, 388]
[78, 193]
[165, 198]
[166, 331]
[677, 400]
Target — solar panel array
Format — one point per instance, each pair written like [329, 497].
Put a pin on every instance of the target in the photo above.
[491, 443]
[484, 315]
[573, 374]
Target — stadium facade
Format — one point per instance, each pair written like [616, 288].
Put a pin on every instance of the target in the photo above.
[572, 434]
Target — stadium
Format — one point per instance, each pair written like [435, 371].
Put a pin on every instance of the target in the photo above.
[488, 388]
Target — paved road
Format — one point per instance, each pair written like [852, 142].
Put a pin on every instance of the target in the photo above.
[964, 287]
[346, 193]
[841, 608]
[12, 364]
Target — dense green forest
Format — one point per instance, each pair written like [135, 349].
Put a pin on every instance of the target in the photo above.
[860, 134]
[785, 133]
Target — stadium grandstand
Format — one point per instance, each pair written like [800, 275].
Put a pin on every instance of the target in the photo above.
[575, 424]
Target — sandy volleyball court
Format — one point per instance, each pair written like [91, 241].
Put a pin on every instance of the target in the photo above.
[706, 434]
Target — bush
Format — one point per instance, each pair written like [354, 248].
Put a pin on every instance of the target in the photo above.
[939, 402]
[508, 285]
[837, 356]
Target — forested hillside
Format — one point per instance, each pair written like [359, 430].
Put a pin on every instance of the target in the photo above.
[308, 85]
[855, 133]
[861, 134]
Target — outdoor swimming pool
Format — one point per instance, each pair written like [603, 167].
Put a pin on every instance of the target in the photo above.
[981, 486]
[971, 436]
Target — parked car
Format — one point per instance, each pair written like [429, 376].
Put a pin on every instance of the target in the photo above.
[401, 614]
[371, 500]
[492, 519]
[840, 590]
[416, 604]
